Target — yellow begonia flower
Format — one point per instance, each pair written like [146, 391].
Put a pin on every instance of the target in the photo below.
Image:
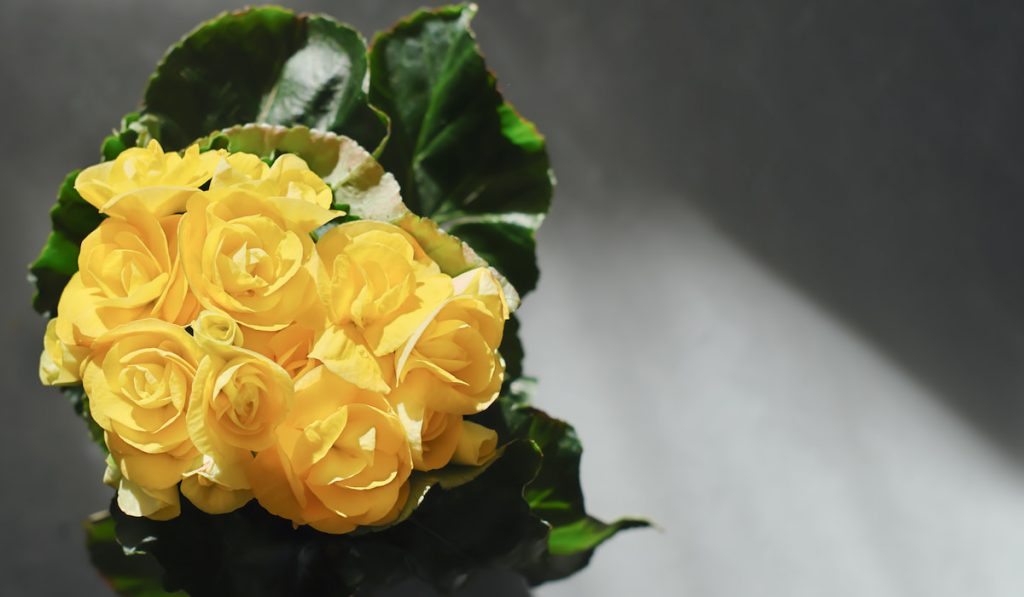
[238, 399]
[377, 278]
[341, 461]
[128, 269]
[216, 489]
[248, 256]
[60, 363]
[378, 286]
[452, 359]
[138, 378]
[289, 177]
[141, 168]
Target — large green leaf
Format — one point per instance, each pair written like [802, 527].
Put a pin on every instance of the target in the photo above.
[555, 494]
[265, 65]
[461, 154]
[73, 219]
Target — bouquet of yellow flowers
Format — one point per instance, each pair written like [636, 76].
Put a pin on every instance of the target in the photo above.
[283, 304]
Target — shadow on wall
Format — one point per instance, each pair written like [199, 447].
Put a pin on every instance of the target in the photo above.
[874, 158]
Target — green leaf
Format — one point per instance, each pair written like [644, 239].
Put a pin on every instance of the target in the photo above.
[555, 494]
[587, 533]
[500, 243]
[136, 131]
[73, 219]
[72, 216]
[136, 575]
[571, 547]
[266, 65]
[461, 154]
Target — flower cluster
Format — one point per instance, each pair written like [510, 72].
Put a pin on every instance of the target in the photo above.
[227, 355]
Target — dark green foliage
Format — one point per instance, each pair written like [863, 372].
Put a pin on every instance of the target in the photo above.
[266, 65]
[511, 350]
[461, 154]
[555, 494]
[73, 219]
[249, 552]
[129, 576]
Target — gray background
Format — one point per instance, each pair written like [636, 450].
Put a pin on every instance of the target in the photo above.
[782, 295]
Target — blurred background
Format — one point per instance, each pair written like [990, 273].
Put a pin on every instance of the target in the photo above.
[782, 296]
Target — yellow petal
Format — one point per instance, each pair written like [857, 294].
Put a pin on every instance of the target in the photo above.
[303, 215]
[481, 283]
[216, 487]
[135, 500]
[275, 486]
[153, 471]
[341, 351]
[476, 444]
[138, 168]
[77, 311]
[432, 435]
[214, 499]
[213, 329]
[60, 363]
[159, 201]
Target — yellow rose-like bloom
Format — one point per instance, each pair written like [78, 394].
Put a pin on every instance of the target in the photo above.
[128, 269]
[378, 285]
[290, 177]
[139, 168]
[378, 278]
[138, 378]
[451, 362]
[248, 256]
[342, 459]
[60, 362]
[238, 399]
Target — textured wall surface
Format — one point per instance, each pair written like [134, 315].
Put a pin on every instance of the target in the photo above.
[782, 294]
